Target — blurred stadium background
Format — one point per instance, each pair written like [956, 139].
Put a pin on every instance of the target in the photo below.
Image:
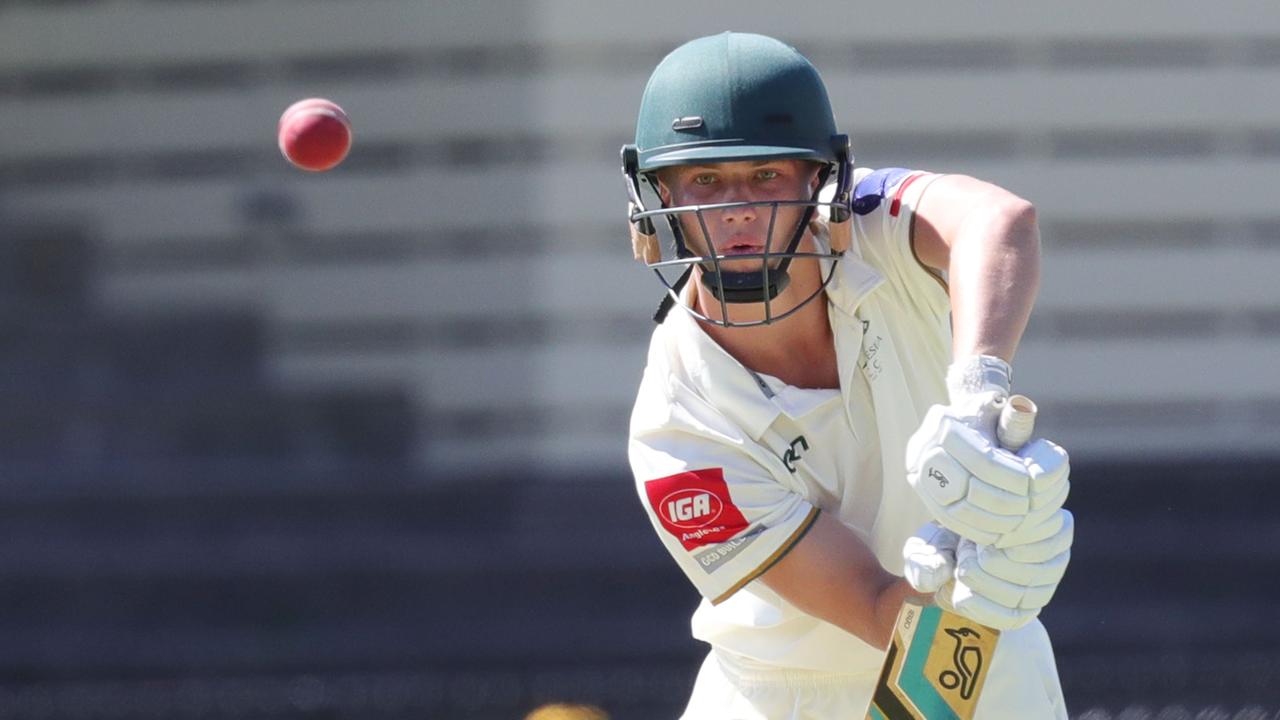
[275, 445]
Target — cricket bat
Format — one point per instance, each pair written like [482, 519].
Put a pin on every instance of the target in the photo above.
[937, 661]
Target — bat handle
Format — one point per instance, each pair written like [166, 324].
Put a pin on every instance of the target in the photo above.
[1016, 423]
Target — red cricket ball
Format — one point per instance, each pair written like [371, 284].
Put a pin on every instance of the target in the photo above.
[314, 134]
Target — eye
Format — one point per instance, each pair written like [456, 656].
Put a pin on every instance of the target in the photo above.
[767, 174]
[704, 179]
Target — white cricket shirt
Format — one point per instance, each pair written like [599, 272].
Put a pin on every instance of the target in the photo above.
[733, 466]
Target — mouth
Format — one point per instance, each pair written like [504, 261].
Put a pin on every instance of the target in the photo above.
[742, 250]
[742, 245]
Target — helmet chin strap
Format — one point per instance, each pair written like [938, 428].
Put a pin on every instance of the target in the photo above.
[752, 287]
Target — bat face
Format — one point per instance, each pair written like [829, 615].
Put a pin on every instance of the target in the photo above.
[935, 666]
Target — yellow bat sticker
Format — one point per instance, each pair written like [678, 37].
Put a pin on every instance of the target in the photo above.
[934, 668]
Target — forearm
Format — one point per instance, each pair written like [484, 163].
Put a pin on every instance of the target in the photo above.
[994, 277]
[832, 575]
[867, 610]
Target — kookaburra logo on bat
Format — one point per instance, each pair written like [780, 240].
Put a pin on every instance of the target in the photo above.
[967, 659]
[936, 474]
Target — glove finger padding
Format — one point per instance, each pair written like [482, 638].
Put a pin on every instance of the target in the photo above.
[1033, 530]
[1050, 470]
[1045, 541]
[930, 558]
[968, 484]
[1048, 464]
[993, 465]
[1039, 596]
[1050, 484]
[995, 563]
[990, 573]
[959, 598]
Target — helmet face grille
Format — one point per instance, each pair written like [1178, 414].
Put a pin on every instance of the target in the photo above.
[732, 277]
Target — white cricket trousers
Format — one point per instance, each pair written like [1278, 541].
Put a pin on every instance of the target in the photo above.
[1022, 685]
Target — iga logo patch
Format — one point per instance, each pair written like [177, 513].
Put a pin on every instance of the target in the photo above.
[691, 508]
[695, 507]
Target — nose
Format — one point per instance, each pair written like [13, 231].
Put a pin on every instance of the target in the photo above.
[743, 214]
[740, 215]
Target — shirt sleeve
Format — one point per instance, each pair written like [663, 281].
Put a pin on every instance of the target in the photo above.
[885, 202]
[721, 515]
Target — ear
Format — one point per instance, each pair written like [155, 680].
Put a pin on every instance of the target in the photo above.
[664, 190]
[815, 177]
[838, 235]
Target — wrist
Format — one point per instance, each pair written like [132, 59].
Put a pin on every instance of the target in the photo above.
[889, 603]
[973, 375]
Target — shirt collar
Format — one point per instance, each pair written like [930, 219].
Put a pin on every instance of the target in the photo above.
[854, 281]
[719, 377]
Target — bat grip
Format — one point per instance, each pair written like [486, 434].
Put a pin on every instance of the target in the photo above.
[1016, 423]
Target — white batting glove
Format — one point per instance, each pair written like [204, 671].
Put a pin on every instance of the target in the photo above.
[1007, 588]
[930, 558]
[967, 481]
[1050, 472]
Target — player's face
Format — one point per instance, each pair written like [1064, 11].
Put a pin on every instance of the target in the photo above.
[739, 230]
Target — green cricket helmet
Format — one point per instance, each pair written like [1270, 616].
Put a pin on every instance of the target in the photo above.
[726, 98]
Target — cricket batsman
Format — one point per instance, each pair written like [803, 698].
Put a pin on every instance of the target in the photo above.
[814, 434]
